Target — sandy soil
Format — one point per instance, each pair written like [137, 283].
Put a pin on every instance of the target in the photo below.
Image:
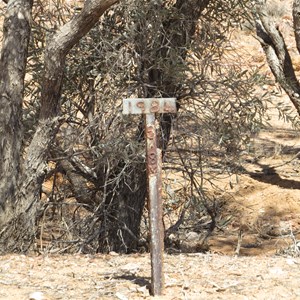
[193, 276]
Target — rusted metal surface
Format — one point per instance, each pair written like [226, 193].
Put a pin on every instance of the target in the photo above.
[149, 105]
[154, 169]
[157, 235]
[155, 203]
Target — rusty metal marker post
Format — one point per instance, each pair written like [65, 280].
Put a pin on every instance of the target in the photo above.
[150, 106]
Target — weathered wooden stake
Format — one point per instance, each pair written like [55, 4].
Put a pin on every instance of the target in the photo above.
[150, 106]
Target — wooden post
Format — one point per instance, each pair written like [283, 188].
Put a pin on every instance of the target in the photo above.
[150, 106]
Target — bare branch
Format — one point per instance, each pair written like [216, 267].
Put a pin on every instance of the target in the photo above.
[59, 46]
[277, 55]
[69, 34]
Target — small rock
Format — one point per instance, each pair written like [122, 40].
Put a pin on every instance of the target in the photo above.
[121, 296]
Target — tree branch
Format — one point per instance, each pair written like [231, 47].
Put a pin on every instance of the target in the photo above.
[59, 46]
[296, 21]
[277, 55]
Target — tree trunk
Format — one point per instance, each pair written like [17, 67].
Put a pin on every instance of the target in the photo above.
[122, 214]
[16, 35]
[276, 51]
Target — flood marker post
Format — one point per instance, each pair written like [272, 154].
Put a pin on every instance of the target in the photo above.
[149, 107]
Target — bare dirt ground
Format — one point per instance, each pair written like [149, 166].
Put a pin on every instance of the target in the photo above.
[194, 276]
[265, 203]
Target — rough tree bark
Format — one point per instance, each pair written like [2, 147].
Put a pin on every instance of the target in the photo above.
[276, 51]
[296, 19]
[18, 223]
[16, 34]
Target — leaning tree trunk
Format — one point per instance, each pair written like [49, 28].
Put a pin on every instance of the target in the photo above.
[18, 228]
[276, 51]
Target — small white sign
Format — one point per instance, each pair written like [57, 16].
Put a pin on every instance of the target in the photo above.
[149, 105]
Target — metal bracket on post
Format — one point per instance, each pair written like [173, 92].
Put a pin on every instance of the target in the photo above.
[150, 106]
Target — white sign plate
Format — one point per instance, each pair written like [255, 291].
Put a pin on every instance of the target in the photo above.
[149, 105]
